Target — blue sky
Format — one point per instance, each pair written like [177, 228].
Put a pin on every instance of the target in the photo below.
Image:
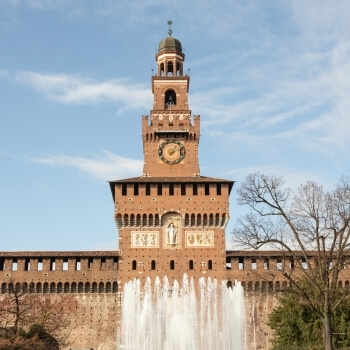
[269, 78]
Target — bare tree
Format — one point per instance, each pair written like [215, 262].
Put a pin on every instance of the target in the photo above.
[14, 308]
[21, 308]
[312, 227]
[52, 314]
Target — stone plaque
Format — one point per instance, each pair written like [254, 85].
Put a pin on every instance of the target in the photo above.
[143, 239]
[199, 239]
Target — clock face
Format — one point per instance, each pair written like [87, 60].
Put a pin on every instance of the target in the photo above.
[171, 151]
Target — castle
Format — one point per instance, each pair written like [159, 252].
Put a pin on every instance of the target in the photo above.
[171, 220]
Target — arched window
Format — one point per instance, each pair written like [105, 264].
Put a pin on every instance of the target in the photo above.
[52, 287]
[73, 288]
[94, 287]
[153, 265]
[138, 220]
[38, 288]
[223, 219]
[119, 220]
[199, 220]
[217, 220]
[211, 220]
[144, 220]
[161, 68]
[115, 287]
[172, 265]
[193, 220]
[156, 220]
[278, 285]
[205, 220]
[80, 287]
[134, 264]
[87, 287]
[46, 287]
[31, 287]
[229, 284]
[132, 220]
[66, 287]
[150, 219]
[170, 69]
[126, 220]
[101, 287]
[18, 287]
[187, 220]
[179, 69]
[59, 287]
[170, 98]
[256, 286]
[210, 265]
[108, 287]
[190, 265]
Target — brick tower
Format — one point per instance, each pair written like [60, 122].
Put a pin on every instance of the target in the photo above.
[171, 220]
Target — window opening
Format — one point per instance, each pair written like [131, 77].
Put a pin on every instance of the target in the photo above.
[266, 264]
[279, 264]
[254, 264]
[27, 265]
[14, 264]
[52, 264]
[136, 189]
[65, 264]
[206, 189]
[77, 264]
[171, 189]
[40, 264]
[170, 99]
[124, 189]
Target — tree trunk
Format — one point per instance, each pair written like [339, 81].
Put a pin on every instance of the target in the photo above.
[327, 326]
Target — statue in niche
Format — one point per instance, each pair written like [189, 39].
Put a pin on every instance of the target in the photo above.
[172, 233]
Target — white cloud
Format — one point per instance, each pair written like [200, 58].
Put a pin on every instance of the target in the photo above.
[289, 88]
[4, 73]
[69, 89]
[105, 167]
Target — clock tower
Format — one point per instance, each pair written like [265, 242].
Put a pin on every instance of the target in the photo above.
[171, 220]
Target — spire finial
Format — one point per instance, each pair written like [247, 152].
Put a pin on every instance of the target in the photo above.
[170, 30]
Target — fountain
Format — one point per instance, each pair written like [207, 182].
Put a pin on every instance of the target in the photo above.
[164, 317]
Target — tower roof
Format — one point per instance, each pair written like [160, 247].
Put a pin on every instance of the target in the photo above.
[170, 43]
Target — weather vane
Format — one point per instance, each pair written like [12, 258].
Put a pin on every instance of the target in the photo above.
[170, 30]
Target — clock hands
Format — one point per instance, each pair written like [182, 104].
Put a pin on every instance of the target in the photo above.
[173, 150]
